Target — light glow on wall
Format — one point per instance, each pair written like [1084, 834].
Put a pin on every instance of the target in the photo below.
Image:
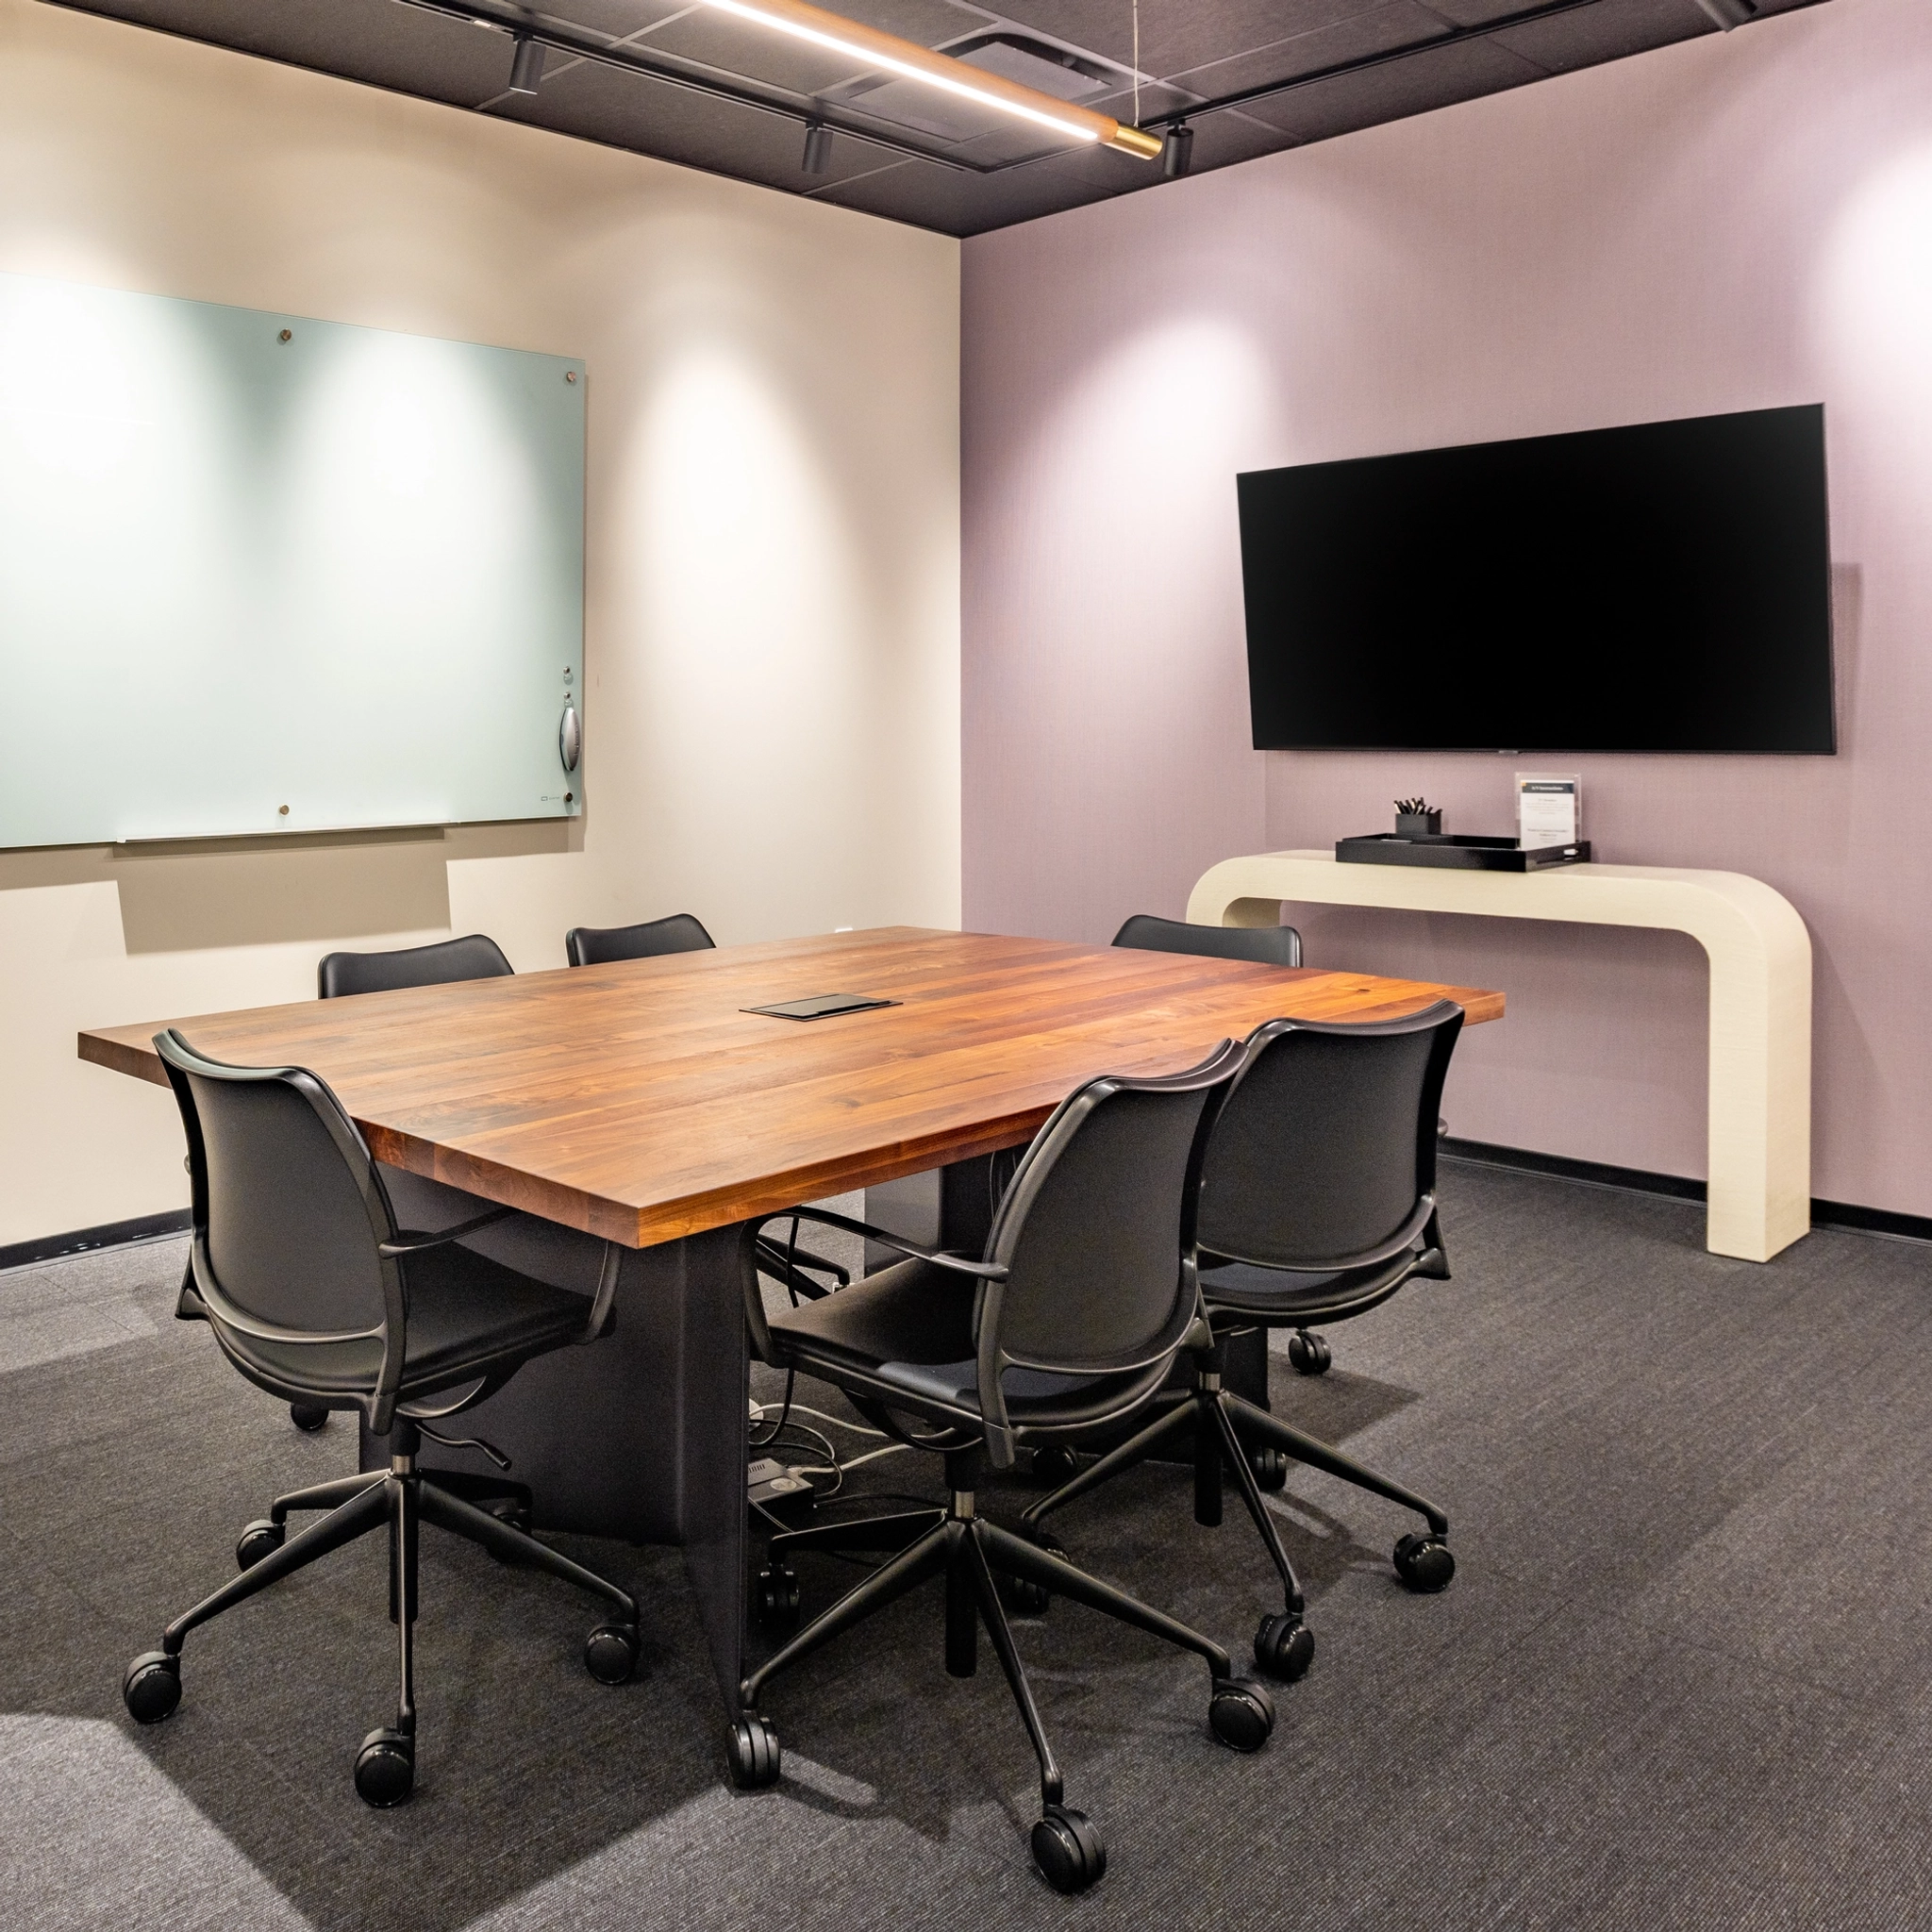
[1873, 297]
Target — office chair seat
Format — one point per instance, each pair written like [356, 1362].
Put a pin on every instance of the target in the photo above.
[909, 1329]
[1282, 1297]
[468, 1316]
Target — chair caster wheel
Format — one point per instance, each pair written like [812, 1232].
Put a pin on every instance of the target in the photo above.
[611, 1652]
[385, 1769]
[1270, 1466]
[1021, 1595]
[1307, 1354]
[752, 1749]
[309, 1416]
[1241, 1714]
[775, 1604]
[152, 1687]
[1424, 1563]
[1055, 1465]
[1068, 1850]
[257, 1541]
[1285, 1646]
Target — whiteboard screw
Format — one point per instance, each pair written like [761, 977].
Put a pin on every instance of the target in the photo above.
[288, 335]
[284, 809]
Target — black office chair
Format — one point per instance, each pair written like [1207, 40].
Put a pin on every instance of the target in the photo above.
[339, 974]
[595, 946]
[316, 1296]
[1317, 1203]
[442, 964]
[1267, 945]
[1070, 1324]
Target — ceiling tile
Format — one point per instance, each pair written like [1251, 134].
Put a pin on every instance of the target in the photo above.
[602, 103]
[1179, 35]
[1156, 97]
[1379, 30]
[616, 20]
[1477, 12]
[1390, 92]
[730, 46]
[1605, 32]
[964, 203]
[373, 40]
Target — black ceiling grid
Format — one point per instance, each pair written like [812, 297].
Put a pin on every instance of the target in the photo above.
[1253, 76]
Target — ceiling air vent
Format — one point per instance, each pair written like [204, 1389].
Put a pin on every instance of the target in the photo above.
[1056, 70]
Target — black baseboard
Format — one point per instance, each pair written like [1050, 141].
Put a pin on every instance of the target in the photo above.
[1847, 1214]
[82, 1240]
[1637, 1180]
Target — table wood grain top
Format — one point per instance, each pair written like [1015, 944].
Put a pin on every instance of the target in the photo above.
[638, 1103]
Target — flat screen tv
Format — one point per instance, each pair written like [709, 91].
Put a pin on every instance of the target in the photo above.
[1661, 588]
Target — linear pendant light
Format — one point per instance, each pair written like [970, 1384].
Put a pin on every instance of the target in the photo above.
[874, 49]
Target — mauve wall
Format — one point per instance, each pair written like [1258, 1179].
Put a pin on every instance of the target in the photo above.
[1735, 223]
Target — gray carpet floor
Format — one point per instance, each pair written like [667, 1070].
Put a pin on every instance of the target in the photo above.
[1680, 1679]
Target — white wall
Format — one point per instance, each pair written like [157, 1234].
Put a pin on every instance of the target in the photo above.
[771, 658]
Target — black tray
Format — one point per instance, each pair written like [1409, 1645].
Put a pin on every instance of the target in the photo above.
[1459, 853]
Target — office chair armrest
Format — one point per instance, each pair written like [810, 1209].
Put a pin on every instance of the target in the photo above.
[222, 1313]
[781, 1267]
[958, 1264]
[414, 1242]
[597, 1322]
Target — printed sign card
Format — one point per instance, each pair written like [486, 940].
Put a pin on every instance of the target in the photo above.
[1549, 809]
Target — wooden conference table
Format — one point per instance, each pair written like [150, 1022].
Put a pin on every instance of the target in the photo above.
[638, 1103]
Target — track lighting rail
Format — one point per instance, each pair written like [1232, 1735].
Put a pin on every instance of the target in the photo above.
[566, 38]
[819, 120]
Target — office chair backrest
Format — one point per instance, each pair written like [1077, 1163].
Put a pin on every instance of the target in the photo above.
[1092, 1229]
[287, 1206]
[1322, 1154]
[1267, 945]
[442, 964]
[594, 946]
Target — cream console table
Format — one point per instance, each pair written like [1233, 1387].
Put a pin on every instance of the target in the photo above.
[1759, 1162]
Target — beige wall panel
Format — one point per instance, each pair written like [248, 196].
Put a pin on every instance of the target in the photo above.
[772, 612]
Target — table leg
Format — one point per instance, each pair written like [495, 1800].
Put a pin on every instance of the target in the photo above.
[711, 1448]
[639, 1435]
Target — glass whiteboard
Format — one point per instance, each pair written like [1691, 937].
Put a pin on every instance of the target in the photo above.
[264, 574]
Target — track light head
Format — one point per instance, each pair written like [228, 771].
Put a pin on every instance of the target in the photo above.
[1177, 151]
[818, 147]
[527, 65]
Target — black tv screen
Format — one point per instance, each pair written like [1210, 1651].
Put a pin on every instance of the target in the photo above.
[1662, 588]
